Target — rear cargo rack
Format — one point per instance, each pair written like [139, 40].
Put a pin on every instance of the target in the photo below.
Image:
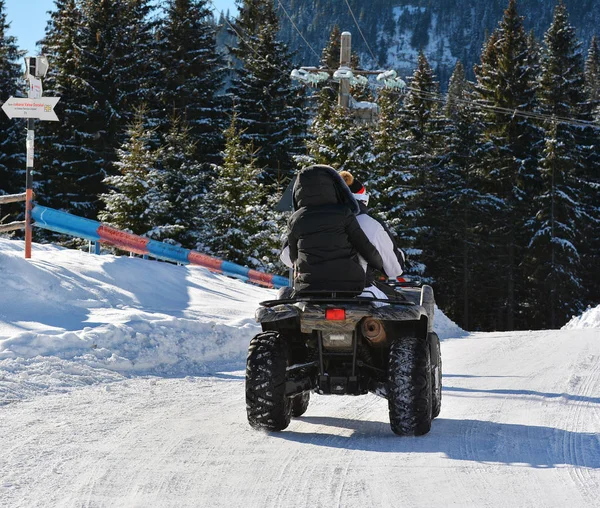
[360, 300]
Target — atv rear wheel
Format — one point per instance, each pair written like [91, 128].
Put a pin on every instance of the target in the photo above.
[300, 404]
[266, 403]
[409, 387]
[436, 374]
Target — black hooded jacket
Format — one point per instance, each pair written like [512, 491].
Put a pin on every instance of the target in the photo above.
[325, 237]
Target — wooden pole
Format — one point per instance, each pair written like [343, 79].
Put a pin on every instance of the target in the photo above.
[29, 186]
[12, 198]
[345, 53]
[11, 226]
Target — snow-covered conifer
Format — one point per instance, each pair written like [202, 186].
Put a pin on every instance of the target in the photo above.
[507, 160]
[180, 185]
[12, 139]
[192, 75]
[238, 220]
[592, 72]
[458, 263]
[422, 134]
[589, 139]
[132, 202]
[389, 181]
[271, 115]
[114, 71]
[552, 259]
[61, 147]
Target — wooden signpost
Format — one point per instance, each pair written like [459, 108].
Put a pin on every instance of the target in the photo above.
[32, 107]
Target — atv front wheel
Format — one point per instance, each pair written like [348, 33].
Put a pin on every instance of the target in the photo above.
[300, 404]
[266, 403]
[409, 387]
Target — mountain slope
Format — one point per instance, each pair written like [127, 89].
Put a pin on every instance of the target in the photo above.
[395, 31]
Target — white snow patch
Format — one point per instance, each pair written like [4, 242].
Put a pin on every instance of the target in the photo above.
[589, 319]
[445, 327]
[68, 318]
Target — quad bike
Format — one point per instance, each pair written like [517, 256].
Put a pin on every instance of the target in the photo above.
[337, 344]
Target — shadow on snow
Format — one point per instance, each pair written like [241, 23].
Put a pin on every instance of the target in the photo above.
[469, 440]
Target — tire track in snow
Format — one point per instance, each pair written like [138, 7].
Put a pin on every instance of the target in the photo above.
[576, 448]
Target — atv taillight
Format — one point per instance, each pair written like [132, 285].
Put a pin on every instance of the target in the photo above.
[335, 314]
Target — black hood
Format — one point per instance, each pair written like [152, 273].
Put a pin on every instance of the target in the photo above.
[321, 185]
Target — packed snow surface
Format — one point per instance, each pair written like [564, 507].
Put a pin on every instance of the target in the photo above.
[122, 385]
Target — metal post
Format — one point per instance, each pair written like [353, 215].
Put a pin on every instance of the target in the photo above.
[345, 53]
[29, 185]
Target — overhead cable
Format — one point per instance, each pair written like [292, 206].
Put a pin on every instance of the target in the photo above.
[361, 34]
[261, 57]
[437, 97]
[298, 30]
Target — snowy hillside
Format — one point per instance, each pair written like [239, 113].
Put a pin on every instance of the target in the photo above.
[121, 384]
[396, 31]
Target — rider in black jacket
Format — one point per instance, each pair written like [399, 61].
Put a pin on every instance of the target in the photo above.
[324, 236]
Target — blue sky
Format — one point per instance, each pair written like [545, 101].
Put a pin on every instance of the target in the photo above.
[28, 19]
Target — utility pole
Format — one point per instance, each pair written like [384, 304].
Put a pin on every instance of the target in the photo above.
[363, 111]
[344, 71]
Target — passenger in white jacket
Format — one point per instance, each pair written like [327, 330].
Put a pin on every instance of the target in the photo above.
[393, 257]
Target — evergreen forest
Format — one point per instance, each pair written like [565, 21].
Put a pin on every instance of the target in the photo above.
[186, 127]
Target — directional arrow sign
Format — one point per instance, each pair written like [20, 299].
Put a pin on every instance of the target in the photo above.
[42, 108]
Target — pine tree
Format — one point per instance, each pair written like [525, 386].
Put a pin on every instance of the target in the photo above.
[12, 136]
[458, 261]
[192, 74]
[562, 79]
[423, 130]
[388, 183]
[330, 56]
[114, 75]
[507, 160]
[592, 72]
[552, 259]
[237, 215]
[271, 117]
[590, 178]
[61, 150]
[534, 51]
[131, 202]
[180, 186]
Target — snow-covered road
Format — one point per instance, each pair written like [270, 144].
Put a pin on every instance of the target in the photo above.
[121, 386]
[519, 426]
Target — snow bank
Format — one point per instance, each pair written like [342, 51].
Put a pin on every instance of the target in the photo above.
[68, 319]
[589, 319]
[446, 328]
